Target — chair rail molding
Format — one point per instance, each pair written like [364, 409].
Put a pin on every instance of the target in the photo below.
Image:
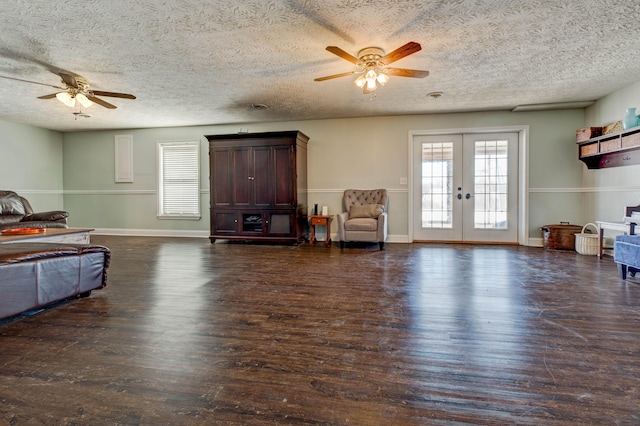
[586, 189]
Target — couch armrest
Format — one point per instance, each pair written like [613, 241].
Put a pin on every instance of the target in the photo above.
[51, 216]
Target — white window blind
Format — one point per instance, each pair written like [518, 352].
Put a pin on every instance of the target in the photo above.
[179, 179]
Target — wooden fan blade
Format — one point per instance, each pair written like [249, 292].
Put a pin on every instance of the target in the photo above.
[69, 80]
[403, 72]
[113, 94]
[344, 55]
[406, 50]
[101, 102]
[51, 96]
[33, 82]
[329, 77]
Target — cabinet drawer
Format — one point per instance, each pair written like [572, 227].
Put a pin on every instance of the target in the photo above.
[319, 220]
[620, 158]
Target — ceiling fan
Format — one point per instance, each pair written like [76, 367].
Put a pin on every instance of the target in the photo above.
[372, 63]
[77, 89]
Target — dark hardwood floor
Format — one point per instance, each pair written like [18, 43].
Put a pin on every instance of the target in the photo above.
[187, 332]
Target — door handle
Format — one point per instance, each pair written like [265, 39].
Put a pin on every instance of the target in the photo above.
[459, 196]
[467, 196]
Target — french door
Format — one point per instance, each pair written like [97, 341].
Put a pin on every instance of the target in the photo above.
[465, 187]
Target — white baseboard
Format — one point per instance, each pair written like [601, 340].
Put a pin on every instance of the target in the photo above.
[536, 242]
[150, 232]
[398, 239]
[393, 239]
[197, 234]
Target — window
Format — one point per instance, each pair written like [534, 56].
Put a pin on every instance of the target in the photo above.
[179, 180]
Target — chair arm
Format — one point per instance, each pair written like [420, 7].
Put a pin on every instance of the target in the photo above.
[51, 216]
[382, 227]
[342, 218]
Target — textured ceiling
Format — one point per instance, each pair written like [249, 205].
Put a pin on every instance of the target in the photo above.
[192, 62]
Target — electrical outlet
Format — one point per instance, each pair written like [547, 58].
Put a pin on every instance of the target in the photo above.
[403, 181]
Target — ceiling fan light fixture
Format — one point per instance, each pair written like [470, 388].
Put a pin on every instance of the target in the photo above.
[361, 81]
[66, 98]
[371, 84]
[382, 78]
[84, 101]
[371, 77]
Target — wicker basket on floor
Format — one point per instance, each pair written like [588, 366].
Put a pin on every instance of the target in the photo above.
[587, 244]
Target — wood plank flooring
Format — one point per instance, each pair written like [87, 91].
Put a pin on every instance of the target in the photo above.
[187, 332]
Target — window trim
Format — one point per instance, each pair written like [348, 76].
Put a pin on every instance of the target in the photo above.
[160, 176]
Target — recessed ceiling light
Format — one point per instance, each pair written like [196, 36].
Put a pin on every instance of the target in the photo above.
[259, 107]
[435, 95]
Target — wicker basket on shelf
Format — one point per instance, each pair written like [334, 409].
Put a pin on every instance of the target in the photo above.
[587, 244]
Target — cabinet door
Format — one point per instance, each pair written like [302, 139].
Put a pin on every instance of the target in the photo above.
[241, 176]
[280, 223]
[221, 161]
[224, 222]
[253, 223]
[284, 177]
[260, 177]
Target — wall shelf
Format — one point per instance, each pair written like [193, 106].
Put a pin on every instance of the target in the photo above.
[612, 150]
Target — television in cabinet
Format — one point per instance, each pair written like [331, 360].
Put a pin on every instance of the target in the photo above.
[258, 185]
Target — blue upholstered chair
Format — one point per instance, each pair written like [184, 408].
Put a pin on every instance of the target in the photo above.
[626, 253]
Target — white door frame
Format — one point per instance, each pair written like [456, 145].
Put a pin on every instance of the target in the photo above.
[523, 171]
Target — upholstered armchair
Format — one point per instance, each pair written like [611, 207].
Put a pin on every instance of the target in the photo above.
[364, 217]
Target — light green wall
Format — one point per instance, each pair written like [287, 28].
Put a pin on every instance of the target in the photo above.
[343, 153]
[31, 164]
[608, 191]
[612, 107]
[367, 152]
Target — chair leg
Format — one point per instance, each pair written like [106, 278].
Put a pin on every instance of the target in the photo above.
[341, 244]
[381, 245]
[622, 271]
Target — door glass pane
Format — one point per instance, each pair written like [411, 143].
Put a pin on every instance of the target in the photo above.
[437, 184]
[490, 184]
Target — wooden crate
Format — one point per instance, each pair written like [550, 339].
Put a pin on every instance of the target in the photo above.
[588, 133]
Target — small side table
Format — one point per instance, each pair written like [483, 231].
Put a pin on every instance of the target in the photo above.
[320, 220]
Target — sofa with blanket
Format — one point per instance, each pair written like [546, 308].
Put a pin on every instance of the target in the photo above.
[16, 212]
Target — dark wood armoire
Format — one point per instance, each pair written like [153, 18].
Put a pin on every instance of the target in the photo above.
[258, 186]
